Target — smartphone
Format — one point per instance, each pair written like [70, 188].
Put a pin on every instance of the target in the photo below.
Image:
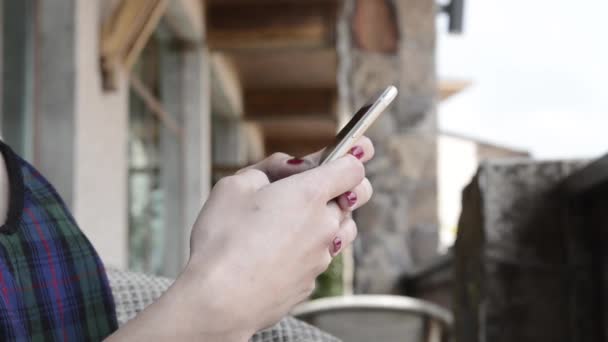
[357, 125]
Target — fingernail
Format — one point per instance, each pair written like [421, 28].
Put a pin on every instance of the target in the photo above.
[337, 245]
[295, 161]
[351, 198]
[357, 151]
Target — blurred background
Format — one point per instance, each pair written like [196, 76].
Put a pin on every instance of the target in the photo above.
[135, 108]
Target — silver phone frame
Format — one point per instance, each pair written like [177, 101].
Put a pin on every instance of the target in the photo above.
[379, 106]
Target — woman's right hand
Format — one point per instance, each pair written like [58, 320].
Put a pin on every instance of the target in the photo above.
[257, 247]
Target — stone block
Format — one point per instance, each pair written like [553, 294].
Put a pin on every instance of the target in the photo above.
[521, 270]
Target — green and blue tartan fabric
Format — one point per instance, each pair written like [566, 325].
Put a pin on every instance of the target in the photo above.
[53, 286]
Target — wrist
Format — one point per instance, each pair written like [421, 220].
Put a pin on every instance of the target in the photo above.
[179, 315]
[204, 307]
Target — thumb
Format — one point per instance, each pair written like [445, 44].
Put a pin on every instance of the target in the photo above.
[332, 179]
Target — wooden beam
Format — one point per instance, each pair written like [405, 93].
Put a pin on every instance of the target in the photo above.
[125, 33]
[273, 25]
[255, 141]
[298, 129]
[287, 68]
[226, 88]
[156, 11]
[267, 2]
[236, 143]
[260, 103]
[229, 142]
[155, 106]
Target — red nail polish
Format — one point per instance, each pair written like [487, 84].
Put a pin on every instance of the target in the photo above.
[337, 244]
[295, 161]
[351, 198]
[357, 151]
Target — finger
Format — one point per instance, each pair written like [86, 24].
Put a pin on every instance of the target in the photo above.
[280, 165]
[356, 197]
[335, 212]
[363, 147]
[329, 181]
[252, 179]
[345, 237]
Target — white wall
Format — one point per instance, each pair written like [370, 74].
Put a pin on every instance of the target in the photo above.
[100, 190]
[457, 163]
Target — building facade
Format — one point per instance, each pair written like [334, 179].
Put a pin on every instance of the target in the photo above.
[58, 112]
[134, 108]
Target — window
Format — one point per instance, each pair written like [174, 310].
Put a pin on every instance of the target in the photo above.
[17, 65]
[146, 195]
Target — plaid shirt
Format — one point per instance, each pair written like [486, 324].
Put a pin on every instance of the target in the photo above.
[53, 286]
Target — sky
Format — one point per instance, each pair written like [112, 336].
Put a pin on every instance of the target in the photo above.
[539, 74]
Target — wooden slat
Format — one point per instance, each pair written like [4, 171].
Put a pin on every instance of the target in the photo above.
[150, 20]
[226, 88]
[297, 135]
[125, 33]
[297, 128]
[287, 68]
[155, 106]
[285, 102]
[272, 25]
[255, 142]
[268, 2]
[229, 142]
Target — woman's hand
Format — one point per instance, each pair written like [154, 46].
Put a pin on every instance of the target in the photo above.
[257, 247]
[281, 165]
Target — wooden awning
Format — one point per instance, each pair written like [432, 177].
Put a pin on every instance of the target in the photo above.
[125, 33]
[127, 29]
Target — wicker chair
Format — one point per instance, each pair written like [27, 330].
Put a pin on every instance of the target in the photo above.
[132, 292]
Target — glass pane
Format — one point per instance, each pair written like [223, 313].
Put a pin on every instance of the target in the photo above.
[146, 197]
[17, 28]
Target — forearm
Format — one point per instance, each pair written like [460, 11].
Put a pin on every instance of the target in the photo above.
[187, 311]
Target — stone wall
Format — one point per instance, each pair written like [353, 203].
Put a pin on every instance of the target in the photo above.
[398, 228]
[596, 221]
[523, 268]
